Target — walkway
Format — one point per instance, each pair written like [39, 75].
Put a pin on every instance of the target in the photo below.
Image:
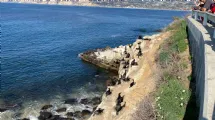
[206, 89]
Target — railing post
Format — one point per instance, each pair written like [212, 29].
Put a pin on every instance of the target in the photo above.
[205, 19]
[196, 15]
[193, 14]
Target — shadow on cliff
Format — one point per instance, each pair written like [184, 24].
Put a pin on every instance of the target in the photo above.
[192, 111]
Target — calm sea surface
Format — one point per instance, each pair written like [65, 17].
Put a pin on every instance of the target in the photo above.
[40, 46]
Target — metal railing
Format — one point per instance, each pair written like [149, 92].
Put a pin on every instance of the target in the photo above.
[207, 17]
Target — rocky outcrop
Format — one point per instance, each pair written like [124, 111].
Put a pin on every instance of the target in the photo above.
[114, 58]
[91, 57]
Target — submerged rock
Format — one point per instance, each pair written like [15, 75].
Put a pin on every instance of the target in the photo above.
[78, 114]
[3, 109]
[58, 117]
[71, 101]
[45, 115]
[61, 110]
[45, 107]
[84, 101]
[55, 117]
[70, 114]
[86, 113]
[25, 119]
[61, 118]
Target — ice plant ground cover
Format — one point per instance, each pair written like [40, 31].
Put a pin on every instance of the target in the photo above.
[174, 93]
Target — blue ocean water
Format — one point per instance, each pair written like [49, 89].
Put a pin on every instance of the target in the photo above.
[40, 46]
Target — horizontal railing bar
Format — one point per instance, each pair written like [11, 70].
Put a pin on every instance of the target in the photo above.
[205, 16]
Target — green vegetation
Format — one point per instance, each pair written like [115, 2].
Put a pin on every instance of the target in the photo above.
[171, 100]
[172, 95]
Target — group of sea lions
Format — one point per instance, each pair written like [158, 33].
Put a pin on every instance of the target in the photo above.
[123, 77]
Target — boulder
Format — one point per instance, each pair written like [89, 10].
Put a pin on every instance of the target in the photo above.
[71, 101]
[86, 113]
[61, 110]
[55, 117]
[61, 118]
[45, 107]
[77, 114]
[45, 115]
[25, 119]
[69, 114]
[84, 101]
[2, 109]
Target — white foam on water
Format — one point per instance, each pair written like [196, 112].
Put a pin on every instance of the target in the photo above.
[31, 109]
[33, 118]
[116, 35]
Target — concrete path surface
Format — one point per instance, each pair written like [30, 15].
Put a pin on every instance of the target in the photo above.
[210, 59]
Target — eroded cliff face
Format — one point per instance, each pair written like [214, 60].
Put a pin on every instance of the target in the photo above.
[131, 65]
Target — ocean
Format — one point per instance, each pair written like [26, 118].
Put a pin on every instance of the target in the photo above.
[40, 46]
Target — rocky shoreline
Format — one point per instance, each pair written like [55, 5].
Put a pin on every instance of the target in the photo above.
[65, 111]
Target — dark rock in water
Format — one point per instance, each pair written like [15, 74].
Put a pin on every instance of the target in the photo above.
[45, 107]
[45, 115]
[96, 100]
[87, 107]
[70, 114]
[78, 114]
[86, 113]
[84, 101]
[25, 119]
[2, 109]
[55, 117]
[61, 110]
[61, 118]
[71, 101]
